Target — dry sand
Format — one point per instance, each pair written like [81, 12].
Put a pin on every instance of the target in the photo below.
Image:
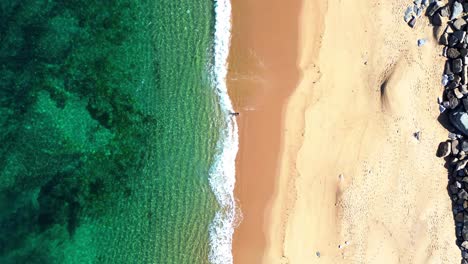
[365, 89]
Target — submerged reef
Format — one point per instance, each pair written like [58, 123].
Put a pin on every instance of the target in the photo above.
[73, 125]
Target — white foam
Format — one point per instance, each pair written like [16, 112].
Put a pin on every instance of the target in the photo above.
[222, 173]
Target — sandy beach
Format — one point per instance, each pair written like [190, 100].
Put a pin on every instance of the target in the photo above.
[343, 179]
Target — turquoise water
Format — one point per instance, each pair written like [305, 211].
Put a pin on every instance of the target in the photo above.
[116, 144]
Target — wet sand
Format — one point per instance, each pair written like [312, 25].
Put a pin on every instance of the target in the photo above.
[262, 74]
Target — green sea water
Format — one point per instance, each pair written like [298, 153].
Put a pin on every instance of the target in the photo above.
[109, 128]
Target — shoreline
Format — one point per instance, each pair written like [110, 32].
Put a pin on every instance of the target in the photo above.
[262, 74]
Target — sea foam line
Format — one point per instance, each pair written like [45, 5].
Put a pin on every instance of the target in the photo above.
[223, 172]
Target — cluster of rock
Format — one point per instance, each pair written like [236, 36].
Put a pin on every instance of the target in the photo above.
[415, 11]
[454, 103]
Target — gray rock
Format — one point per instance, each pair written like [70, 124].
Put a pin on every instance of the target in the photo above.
[452, 85]
[459, 23]
[444, 39]
[408, 14]
[418, 11]
[448, 69]
[459, 120]
[464, 244]
[417, 2]
[463, 52]
[457, 9]
[456, 79]
[464, 146]
[462, 194]
[458, 93]
[453, 40]
[442, 109]
[421, 42]
[453, 53]
[455, 147]
[444, 149]
[460, 166]
[459, 217]
[465, 104]
[452, 135]
[460, 35]
[465, 7]
[465, 205]
[464, 75]
[457, 65]
[453, 103]
[412, 22]
[445, 11]
[453, 189]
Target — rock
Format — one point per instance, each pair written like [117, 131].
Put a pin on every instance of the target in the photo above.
[465, 205]
[459, 217]
[455, 147]
[458, 93]
[465, 104]
[457, 79]
[464, 253]
[421, 42]
[459, 120]
[417, 2]
[463, 52]
[459, 23]
[453, 53]
[437, 20]
[457, 65]
[446, 104]
[445, 80]
[464, 244]
[462, 194]
[460, 35]
[464, 145]
[444, 149]
[452, 135]
[457, 9]
[464, 75]
[442, 109]
[452, 41]
[453, 103]
[408, 14]
[451, 86]
[460, 166]
[453, 189]
[465, 7]
[444, 39]
[417, 135]
[448, 69]
[418, 11]
[444, 11]
[412, 22]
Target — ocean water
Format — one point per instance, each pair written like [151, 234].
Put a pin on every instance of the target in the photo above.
[116, 140]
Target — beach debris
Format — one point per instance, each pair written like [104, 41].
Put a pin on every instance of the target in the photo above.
[421, 42]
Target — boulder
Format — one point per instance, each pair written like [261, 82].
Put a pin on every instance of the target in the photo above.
[457, 65]
[465, 205]
[444, 149]
[408, 14]
[448, 69]
[453, 40]
[459, 120]
[464, 75]
[442, 109]
[465, 7]
[459, 23]
[455, 148]
[462, 194]
[457, 9]
[453, 53]
[452, 85]
[460, 166]
[459, 217]
[412, 22]
[464, 244]
[444, 39]
[453, 189]
[444, 11]
[463, 52]
[437, 20]
[464, 146]
[453, 102]
[458, 93]
[460, 35]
